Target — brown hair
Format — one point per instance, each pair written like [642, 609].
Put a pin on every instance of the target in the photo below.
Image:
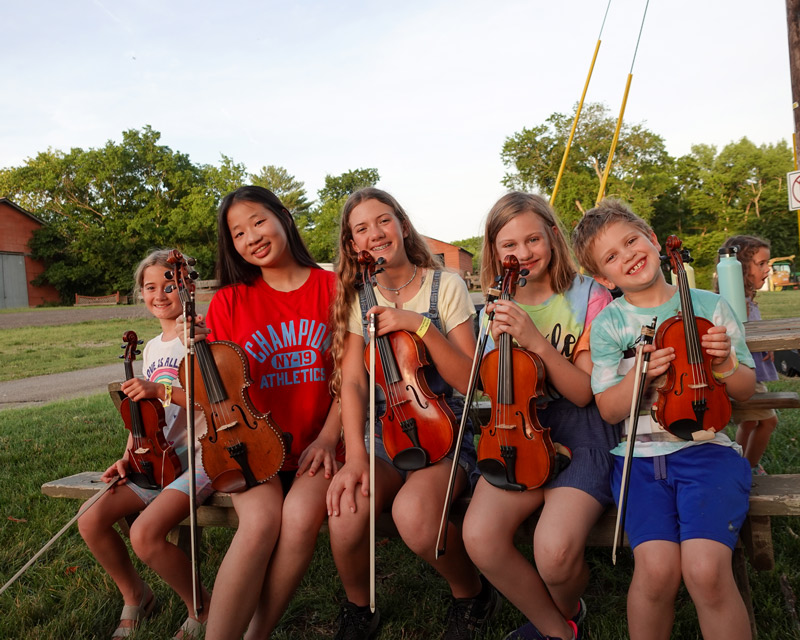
[747, 247]
[347, 268]
[607, 212]
[562, 268]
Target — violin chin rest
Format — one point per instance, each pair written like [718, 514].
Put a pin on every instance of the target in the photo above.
[496, 474]
[411, 459]
[230, 481]
[691, 430]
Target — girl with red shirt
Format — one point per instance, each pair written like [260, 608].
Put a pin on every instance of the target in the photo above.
[274, 303]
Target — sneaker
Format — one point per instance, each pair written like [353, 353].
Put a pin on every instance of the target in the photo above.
[528, 632]
[356, 623]
[579, 617]
[467, 617]
[758, 470]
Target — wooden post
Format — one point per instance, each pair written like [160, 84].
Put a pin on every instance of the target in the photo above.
[793, 27]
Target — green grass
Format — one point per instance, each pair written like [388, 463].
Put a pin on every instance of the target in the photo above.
[67, 595]
[35, 351]
[778, 304]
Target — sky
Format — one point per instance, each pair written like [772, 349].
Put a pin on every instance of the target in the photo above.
[424, 91]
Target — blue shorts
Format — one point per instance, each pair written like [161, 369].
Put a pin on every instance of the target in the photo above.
[701, 491]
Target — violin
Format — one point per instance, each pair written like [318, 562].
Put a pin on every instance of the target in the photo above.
[692, 404]
[241, 447]
[153, 461]
[514, 451]
[417, 425]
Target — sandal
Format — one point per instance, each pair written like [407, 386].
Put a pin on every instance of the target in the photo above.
[192, 629]
[136, 613]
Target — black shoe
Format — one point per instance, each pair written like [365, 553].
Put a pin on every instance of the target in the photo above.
[356, 623]
[467, 617]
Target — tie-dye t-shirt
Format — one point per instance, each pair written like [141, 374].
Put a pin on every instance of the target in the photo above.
[564, 319]
[614, 335]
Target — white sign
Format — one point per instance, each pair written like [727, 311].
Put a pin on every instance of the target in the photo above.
[793, 184]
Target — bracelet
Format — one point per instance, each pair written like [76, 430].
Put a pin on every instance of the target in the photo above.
[167, 394]
[423, 328]
[729, 372]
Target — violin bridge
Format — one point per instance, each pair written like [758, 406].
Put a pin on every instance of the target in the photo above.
[229, 425]
[142, 451]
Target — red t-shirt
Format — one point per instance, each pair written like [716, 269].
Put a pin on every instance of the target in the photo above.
[286, 337]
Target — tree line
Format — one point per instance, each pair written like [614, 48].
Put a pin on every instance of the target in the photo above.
[105, 208]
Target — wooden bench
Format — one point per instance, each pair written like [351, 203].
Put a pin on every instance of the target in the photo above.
[775, 495]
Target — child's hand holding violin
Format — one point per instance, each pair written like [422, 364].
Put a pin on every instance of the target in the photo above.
[510, 318]
[137, 389]
[388, 320]
[717, 344]
[200, 329]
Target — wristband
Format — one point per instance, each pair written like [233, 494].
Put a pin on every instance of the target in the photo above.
[167, 394]
[423, 328]
[729, 372]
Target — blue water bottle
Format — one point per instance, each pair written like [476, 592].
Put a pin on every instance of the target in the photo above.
[731, 282]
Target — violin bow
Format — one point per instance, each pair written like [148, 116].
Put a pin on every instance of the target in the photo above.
[63, 530]
[639, 377]
[372, 462]
[441, 541]
[188, 360]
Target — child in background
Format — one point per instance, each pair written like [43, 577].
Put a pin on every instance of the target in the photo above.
[755, 426]
[549, 316]
[161, 510]
[687, 499]
[413, 294]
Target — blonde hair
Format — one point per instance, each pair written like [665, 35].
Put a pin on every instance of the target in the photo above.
[747, 247]
[157, 258]
[607, 212]
[347, 268]
[562, 268]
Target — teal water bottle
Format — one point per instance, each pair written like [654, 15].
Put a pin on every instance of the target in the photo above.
[731, 282]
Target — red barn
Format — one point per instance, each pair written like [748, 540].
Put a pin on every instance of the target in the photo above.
[455, 258]
[17, 268]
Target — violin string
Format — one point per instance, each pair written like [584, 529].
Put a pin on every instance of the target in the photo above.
[205, 359]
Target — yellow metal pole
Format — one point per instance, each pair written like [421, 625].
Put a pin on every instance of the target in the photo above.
[602, 191]
[574, 125]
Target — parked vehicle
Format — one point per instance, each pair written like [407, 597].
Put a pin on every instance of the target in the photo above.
[783, 275]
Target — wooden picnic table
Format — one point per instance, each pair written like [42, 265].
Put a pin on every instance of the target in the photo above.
[773, 335]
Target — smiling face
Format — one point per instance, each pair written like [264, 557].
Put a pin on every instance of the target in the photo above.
[375, 228]
[257, 234]
[627, 257]
[163, 305]
[526, 237]
[758, 269]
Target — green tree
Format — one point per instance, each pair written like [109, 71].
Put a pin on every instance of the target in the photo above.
[320, 227]
[105, 208]
[641, 168]
[284, 185]
[740, 190]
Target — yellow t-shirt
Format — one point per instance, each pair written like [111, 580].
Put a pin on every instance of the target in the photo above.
[455, 306]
